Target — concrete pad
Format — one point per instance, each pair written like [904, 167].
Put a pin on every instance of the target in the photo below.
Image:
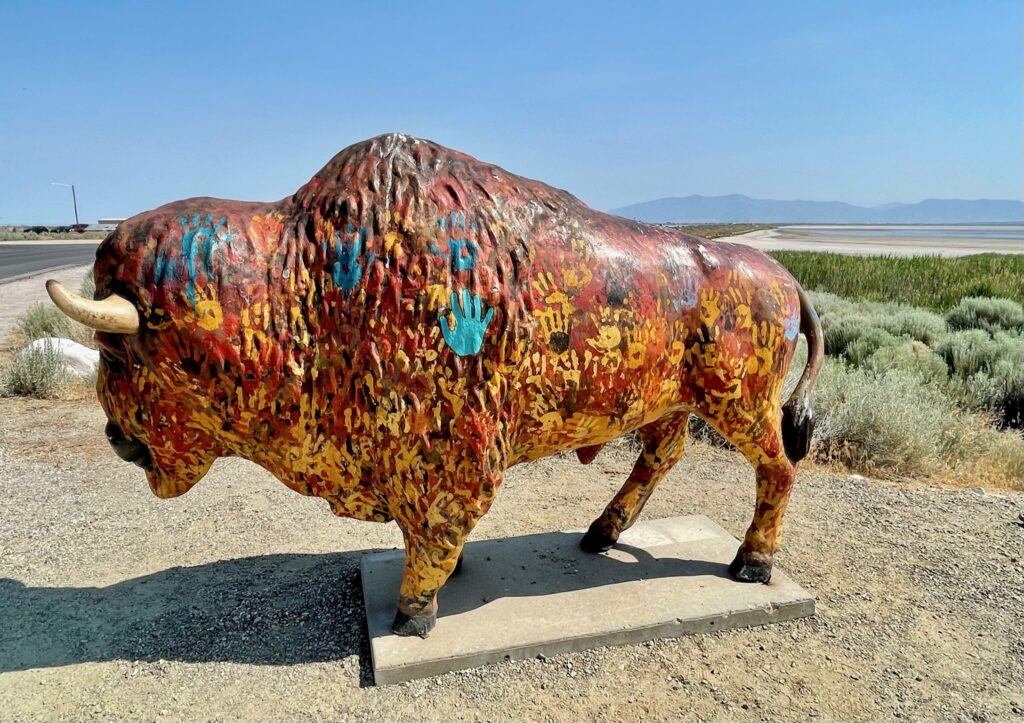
[519, 597]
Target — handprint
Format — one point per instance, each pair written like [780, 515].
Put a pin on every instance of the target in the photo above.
[196, 233]
[468, 335]
[792, 326]
[687, 298]
[348, 268]
[455, 224]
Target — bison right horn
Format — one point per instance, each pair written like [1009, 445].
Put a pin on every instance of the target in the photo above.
[114, 314]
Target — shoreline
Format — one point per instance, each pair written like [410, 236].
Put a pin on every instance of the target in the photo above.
[808, 238]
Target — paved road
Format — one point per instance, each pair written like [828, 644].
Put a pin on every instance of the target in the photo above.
[21, 259]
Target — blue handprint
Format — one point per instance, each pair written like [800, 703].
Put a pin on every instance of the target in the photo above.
[457, 222]
[348, 268]
[198, 235]
[792, 326]
[687, 298]
[468, 335]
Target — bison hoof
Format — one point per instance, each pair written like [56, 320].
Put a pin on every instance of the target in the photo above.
[751, 567]
[596, 541]
[407, 626]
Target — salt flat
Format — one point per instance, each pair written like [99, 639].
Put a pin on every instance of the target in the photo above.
[889, 240]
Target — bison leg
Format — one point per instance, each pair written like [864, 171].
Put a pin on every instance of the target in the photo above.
[434, 538]
[753, 562]
[775, 473]
[664, 442]
[586, 454]
[428, 564]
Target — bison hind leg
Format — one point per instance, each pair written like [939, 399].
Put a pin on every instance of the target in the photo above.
[664, 441]
[774, 470]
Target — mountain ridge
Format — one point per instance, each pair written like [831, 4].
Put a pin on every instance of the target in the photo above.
[739, 208]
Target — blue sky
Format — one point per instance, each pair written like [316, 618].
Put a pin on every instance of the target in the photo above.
[867, 102]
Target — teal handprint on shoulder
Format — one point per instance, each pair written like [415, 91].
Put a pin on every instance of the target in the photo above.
[467, 336]
[348, 265]
[199, 236]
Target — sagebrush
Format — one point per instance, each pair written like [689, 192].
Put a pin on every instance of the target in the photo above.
[35, 372]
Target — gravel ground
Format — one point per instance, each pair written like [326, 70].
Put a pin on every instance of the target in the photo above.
[241, 599]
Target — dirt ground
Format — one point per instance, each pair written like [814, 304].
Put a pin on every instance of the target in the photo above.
[241, 600]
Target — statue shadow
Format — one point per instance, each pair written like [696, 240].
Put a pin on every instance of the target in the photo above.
[283, 609]
[552, 562]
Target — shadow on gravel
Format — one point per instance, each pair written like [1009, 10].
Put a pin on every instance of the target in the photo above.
[264, 610]
[282, 609]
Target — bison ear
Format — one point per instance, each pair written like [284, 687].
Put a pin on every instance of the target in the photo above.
[114, 314]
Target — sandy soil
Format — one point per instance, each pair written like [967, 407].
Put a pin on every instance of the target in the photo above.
[796, 238]
[241, 599]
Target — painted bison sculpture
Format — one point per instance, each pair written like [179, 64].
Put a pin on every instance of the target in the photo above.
[412, 322]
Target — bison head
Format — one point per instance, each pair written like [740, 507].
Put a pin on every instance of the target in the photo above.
[182, 310]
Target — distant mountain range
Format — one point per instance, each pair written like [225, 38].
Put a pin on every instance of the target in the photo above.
[743, 209]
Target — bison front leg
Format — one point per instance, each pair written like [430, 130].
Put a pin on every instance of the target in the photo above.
[435, 534]
[428, 564]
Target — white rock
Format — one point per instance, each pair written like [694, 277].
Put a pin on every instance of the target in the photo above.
[79, 360]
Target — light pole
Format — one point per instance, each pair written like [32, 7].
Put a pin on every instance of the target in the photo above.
[74, 199]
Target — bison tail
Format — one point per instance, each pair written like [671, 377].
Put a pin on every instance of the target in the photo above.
[797, 413]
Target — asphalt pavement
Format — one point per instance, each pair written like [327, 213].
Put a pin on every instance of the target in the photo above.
[17, 260]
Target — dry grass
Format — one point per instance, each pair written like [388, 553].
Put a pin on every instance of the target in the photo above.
[47, 236]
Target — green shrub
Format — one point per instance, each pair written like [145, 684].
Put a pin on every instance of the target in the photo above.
[895, 423]
[878, 423]
[844, 322]
[986, 373]
[839, 333]
[989, 314]
[43, 320]
[35, 372]
[871, 340]
[918, 324]
[972, 351]
[829, 305]
[911, 357]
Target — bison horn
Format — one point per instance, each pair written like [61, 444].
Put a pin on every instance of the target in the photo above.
[114, 314]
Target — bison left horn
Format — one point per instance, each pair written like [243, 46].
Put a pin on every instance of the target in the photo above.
[114, 314]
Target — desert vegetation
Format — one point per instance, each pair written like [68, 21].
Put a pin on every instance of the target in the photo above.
[930, 282]
[933, 390]
[39, 370]
[11, 235]
[718, 230]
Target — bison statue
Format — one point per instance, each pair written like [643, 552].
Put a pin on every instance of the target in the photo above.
[412, 322]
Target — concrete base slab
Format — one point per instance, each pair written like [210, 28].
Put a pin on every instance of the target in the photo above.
[519, 597]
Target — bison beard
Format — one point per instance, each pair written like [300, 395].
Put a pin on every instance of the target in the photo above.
[412, 322]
